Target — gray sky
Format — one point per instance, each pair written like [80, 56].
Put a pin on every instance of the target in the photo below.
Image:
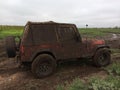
[95, 13]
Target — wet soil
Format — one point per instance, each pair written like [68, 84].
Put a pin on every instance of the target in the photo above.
[14, 78]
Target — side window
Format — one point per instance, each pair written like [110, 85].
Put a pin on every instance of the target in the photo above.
[43, 33]
[66, 33]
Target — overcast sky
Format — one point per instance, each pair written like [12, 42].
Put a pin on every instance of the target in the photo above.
[95, 13]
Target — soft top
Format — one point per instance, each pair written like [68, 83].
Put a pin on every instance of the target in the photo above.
[48, 22]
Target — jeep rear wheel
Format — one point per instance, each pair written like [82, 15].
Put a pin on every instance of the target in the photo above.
[43, 65]
[102, 58]
[10, 46]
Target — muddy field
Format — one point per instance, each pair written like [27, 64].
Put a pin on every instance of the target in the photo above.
[14, 78]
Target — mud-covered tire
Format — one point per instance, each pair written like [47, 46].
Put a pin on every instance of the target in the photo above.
[10, 46]
[102, 57]
[43, 65]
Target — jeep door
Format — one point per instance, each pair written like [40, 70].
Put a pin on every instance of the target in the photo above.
[71, 47]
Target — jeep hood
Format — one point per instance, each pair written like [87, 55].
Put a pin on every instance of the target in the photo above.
[94, 41]
[98, 42]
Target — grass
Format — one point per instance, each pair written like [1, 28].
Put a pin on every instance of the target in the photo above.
[94, 83]
[89, 32]
[111, 82]
[114, 69]
[93, 32]
[10, 31]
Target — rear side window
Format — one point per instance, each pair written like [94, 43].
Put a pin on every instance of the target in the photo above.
[43, 33]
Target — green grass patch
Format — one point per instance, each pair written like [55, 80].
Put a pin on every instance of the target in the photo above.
[110, 83]
[89, 32]
[96, 83]
[111, 30]
[10, 31]
[114, 69]
[93, 32]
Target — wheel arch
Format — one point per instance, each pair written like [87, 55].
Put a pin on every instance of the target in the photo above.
[102, 47]
[42, 52]
[104, 50]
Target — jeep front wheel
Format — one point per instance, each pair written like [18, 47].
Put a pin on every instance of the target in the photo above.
[102, 57]
[43, 65]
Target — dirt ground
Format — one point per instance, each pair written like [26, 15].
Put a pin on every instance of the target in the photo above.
[14, 78]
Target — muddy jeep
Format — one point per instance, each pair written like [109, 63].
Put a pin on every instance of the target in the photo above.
[43, 44]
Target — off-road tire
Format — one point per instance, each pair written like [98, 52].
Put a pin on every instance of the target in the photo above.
[43, 65]
[102, 57]
[10, 46]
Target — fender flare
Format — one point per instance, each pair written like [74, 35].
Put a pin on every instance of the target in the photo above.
[101, 47]
[45, 51]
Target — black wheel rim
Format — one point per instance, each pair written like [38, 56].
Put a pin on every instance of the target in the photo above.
[44, 69]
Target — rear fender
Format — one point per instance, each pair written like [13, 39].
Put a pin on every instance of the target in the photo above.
[42, 52]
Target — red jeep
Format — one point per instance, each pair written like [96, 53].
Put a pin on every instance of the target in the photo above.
[43, 44]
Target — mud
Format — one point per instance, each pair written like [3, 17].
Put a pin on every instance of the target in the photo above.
[14, 78]
[114, 43]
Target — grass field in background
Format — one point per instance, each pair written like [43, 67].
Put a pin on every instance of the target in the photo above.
[93, 32]
[90, 32]
[10, 31]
